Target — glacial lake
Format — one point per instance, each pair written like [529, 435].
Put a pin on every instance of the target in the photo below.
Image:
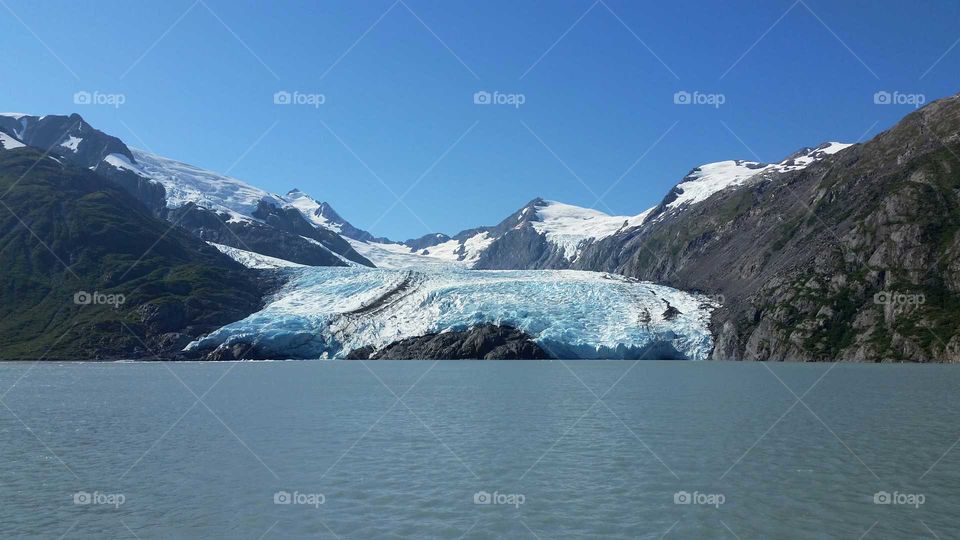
[477, 450]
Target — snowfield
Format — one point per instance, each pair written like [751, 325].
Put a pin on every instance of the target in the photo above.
[711, 178]
[397, 255]
[185, 184]
[453, 252]
[327, 312]
[570, 227]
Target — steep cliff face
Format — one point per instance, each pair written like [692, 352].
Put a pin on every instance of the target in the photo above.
[855, 257]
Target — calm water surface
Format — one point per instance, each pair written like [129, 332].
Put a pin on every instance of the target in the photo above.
[403, 449]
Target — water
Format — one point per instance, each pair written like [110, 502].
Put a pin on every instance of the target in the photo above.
[532, 432]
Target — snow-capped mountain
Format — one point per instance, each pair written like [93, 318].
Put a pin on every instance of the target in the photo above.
[553, 235]
[549, 234]
[215, 207]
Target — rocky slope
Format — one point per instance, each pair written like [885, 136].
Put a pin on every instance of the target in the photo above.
[855, 257]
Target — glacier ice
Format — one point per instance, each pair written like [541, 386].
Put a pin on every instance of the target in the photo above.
[325, 312]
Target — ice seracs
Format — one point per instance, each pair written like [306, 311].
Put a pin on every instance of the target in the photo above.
[328, 312]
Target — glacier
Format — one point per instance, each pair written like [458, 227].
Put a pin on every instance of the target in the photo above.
[326, 312]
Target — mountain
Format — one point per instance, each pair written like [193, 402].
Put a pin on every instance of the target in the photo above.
[89, 272]
[214, 207]
[854, 256]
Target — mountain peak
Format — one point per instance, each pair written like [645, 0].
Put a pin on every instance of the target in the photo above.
[323, 215]
[69, 137]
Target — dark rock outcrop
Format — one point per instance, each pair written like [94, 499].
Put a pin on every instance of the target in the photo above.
[485, 342]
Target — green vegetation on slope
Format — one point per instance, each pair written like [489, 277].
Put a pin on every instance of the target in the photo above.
[67, 232]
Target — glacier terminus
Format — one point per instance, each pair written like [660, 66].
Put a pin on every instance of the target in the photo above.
[327, 312]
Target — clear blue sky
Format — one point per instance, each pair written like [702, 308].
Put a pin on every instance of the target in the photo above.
[201, 90]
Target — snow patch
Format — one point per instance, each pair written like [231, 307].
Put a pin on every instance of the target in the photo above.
[9, 143]
[72, 143]
[121, 161]
[805, 160]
